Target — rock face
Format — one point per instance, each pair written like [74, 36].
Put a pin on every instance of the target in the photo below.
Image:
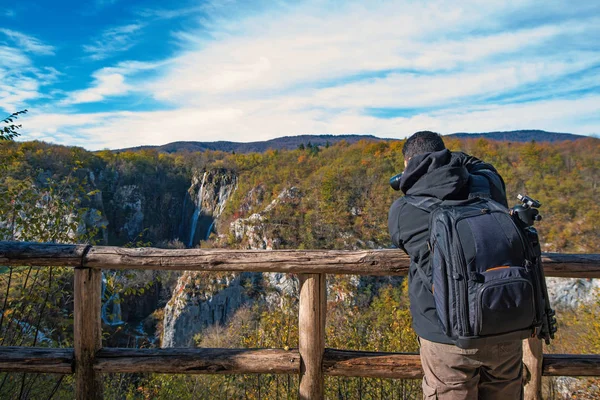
[570, 293]
[204, 202]
[252, 232]
[199, 301]
[128, 200]
[202, 300]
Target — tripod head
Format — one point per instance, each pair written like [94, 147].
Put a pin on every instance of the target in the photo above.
[527, 212]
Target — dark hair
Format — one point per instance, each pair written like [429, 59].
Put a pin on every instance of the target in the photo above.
[422, 142]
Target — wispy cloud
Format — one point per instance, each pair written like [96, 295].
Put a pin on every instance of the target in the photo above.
[113, 41]
[170, 13]
[20, 80]
[9, 13]
[16, 86]
[302, 50]
[28, 43]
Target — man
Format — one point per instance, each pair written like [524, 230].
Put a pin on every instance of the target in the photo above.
[487, 372]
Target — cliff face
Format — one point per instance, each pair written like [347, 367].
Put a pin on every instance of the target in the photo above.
[131, 212]
[201, 300]
[127, 205]
[255, 232]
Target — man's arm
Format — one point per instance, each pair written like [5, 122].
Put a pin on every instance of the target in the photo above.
[485, 178]
[394, 223]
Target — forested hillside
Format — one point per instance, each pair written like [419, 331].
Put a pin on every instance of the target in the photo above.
[320, 197]
[293, 142]
[343, 189]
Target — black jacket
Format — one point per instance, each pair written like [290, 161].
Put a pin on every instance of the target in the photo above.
[447, 176]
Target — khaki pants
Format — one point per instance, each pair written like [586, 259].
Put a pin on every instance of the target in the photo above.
[491, 372]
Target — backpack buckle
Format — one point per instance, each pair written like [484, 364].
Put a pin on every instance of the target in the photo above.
[476, 277]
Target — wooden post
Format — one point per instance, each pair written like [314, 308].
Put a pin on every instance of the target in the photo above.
[87, 332]
[532, 372]
[311, 320]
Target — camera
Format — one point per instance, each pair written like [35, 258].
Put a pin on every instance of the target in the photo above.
[395, 181]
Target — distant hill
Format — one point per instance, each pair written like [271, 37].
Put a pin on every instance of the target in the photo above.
[292, 142]
[526, 135]
[282, 143]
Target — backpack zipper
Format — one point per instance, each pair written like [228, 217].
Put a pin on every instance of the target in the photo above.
[459, 295]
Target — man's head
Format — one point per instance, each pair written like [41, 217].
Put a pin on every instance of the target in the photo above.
[422, 142]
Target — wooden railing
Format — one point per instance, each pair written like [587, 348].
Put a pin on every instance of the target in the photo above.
[312, 361]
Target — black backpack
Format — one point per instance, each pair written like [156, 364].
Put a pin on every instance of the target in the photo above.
[484, 275]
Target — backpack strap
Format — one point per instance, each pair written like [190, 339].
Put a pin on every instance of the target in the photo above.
[423, 202]
[427, 204]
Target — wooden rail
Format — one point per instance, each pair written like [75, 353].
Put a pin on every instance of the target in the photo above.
[347, 363]
[312, 361]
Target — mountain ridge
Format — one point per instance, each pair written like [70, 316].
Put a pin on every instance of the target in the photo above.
[293, 142]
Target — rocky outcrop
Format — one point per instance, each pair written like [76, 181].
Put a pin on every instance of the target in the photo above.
[570, 293]
[201, 300]
[253, 232]
[127, 205]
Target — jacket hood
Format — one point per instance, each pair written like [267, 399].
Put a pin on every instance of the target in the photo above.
[441, 174]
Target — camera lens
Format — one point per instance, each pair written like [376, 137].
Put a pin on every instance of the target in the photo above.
[395, 181]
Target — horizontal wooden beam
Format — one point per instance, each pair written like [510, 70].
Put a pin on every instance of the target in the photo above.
[198, 361]
[363, 262]
[36, 359]
[571, 265]
[571, 365]
[255, 361]
[41, 254]
[372, 364]
[408, 366]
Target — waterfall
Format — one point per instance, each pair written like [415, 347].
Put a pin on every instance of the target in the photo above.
[195, 218]
[114, 318]
[208, 232]
[197, 211]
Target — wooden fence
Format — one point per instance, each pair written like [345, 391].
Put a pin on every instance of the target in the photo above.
[312, 361]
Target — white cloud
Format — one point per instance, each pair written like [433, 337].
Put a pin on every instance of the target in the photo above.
[112, 41]
[28, 43]
[13, 58]
[412, 90]
[47, 75]
[105, 84]
[109, 82]
[17, 86]
[276, 53]
[20, 80]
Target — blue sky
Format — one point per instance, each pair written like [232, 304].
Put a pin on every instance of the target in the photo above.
[120, 73]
